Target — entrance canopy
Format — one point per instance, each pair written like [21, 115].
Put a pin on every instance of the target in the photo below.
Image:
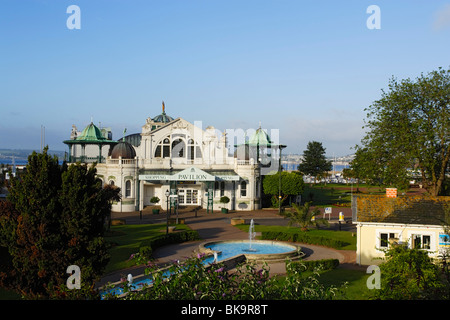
[190, 174]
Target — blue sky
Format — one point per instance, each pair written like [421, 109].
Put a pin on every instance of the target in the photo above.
[306, 68]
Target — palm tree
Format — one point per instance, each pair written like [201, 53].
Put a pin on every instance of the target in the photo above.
[304, 216]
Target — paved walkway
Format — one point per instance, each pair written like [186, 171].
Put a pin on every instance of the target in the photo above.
[217, 226]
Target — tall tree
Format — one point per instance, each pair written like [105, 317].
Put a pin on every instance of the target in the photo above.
[409, 127]
[54, 218]
[314, 162]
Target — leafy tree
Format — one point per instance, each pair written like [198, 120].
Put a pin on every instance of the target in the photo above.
[409, 128]
[362, 168]
[410, 274]
[291, 185]
[303, 216]
[54, 218]
[314, 162]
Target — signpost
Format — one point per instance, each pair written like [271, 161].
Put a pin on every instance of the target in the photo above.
[328, 212]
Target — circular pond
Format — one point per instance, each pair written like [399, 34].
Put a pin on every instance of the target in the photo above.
[253, 250]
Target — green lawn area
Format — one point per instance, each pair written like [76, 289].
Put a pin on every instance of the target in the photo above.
[337, 194]
[344, 236]
[126, 240]
[356, 282]
[355, 289]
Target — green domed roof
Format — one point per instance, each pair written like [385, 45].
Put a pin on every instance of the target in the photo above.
[91, 133]
[163, 117]
[260, 138]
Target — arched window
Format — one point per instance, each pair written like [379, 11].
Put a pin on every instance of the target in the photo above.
[163, 148]
[178, 147]
[243, 189]
[111, 183]
[193, 150]
[128, 189]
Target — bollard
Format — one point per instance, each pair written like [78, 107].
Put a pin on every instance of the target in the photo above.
[341, 217]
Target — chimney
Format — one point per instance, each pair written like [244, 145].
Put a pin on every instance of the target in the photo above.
[391, 192]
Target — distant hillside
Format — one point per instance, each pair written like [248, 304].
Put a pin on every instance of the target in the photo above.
[22, 154]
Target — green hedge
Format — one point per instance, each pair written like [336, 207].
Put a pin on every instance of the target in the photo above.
[302, 237]
[146, 248]
[325, 264]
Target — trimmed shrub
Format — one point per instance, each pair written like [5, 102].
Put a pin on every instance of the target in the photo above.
[146, 248]
[145, 251]
[302, 237]
[323, 265]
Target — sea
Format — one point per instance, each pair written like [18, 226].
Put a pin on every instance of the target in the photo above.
[293, 167]
[17, 162]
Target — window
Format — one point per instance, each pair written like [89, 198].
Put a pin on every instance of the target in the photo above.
[178, 147]
[243, 189]
[111, 183]
[384, 238]
[222, 188]
[191, 149]
[219, 189]
[164, 147]
[216, 188]
[188, 196]
[420, 241]
[128, 189]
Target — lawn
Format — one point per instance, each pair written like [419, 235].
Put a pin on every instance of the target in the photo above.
[344, 236]
[126, 240]
[356, 282]
[334, 194]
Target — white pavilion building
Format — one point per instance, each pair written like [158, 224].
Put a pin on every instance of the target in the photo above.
[177, 158]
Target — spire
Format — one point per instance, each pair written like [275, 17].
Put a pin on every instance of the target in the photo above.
[163, 107]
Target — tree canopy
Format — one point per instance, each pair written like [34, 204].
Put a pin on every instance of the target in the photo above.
[54, 217]
[411, 274]
[291, 185]
[314, 162]
[408, 129]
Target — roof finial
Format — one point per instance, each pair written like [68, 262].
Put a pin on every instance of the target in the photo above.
[163, 107]
[260, 124]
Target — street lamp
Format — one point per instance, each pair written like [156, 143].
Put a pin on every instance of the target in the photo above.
[279, 181]
[167, 211]
[176, 204]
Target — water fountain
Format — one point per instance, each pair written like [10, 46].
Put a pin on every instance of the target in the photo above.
[221, 251]
[251, 236]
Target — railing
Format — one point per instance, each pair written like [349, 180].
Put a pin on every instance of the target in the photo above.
[121, 161]
[86, 159]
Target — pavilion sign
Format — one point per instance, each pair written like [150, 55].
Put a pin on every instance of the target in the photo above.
[189, 174]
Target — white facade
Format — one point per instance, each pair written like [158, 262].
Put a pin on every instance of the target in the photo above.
[190, 162]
